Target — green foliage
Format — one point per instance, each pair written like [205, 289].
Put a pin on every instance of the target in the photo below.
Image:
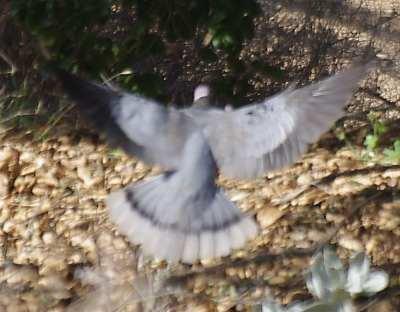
[110, 36]
[372, 140]
[126, 41]
[392, 155]
[373, 143]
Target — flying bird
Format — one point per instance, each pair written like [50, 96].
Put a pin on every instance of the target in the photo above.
[182, 215]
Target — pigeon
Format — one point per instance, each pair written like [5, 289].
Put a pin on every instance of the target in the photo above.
[181, 214]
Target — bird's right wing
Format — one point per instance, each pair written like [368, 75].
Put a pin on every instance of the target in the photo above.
[140, 126]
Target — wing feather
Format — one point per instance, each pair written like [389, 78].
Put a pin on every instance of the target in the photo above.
[265, 136]
[142, 127]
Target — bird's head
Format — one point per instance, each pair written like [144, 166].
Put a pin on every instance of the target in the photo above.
[201, 95]
[201, 91]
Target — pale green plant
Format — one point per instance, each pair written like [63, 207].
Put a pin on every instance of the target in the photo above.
[333, 287]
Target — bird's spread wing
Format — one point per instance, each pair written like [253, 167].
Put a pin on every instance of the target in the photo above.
[257, 138]
[140, 126]
[182, 215]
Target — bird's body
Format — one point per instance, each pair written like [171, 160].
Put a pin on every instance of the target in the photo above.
[182, 214]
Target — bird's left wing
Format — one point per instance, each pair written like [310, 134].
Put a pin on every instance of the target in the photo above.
[261, 137]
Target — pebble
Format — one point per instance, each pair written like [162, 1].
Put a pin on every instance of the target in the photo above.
[269, 215]
[391, 173]
[48, 238]
[40, 190]
[316, 236]
[348, 242]
[75, 258]
[335, 218]
[9, 226]
[20, 276]
[4, 185]
[55, 262]
[27, 156]
[53, 282]
[7, 154]
[305, 179]
[119, 243]
[298, 235]
[238, 196]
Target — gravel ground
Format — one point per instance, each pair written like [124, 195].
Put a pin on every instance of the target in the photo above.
[60, 251]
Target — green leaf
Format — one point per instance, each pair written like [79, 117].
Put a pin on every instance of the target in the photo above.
[379, 128]
[371, 142]
[392, 155]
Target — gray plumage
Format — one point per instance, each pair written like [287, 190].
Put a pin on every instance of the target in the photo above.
[251, 140]
[182, 214]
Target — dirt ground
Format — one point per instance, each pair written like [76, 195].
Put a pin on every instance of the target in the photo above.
[60, 252]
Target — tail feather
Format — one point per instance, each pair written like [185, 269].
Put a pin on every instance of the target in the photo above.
[170, 230]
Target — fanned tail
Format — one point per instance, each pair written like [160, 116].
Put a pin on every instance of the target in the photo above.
[171, 228]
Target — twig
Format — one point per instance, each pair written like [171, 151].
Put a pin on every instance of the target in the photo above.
[9, 62]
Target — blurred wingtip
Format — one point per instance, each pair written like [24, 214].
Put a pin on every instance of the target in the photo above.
[367, 62]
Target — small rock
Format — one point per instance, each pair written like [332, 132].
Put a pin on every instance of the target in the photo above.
[53, 282]
[391, 173]
[9, 226]
[119, 243]
[29, 169]
[334, 217]
[371, 245]
[105, 239]
[115, 181]
[75, 258]
[305, 179]
[89, 177]
[48, 238]
[348, 242]
[48, 180]
[20, 276]
[40, 190]
[27, 156]
[4, 185]
[4, 212]
[382, 306]
[269, 215]
[298, 235]
[18, 306]
[6, 155]
[277, 280]
[316, 236]
[53, 263]
[198, 307]
[238, 196]
[24, 183]
[61, 294]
